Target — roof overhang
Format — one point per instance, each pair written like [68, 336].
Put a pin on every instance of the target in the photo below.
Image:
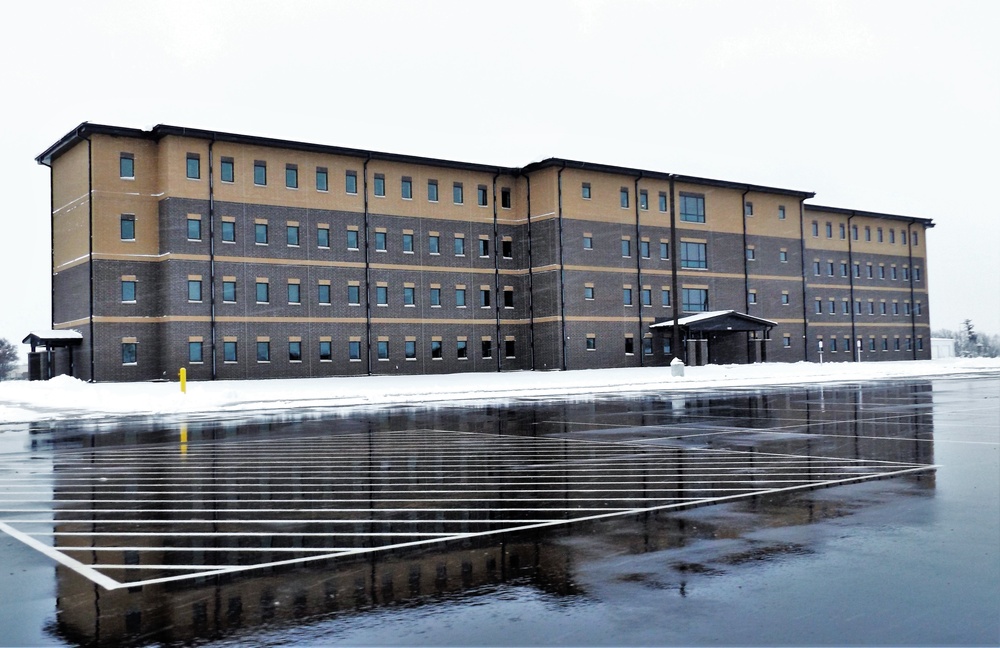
[724, 320]
[53, 339]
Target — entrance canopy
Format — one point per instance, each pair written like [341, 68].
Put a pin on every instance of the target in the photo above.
[53, 339]
[715, 321]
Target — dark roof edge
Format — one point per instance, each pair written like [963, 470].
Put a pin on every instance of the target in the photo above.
[70, 139]
[927, 222]
[661, 175]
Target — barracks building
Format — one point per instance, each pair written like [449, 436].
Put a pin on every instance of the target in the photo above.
[237, 257]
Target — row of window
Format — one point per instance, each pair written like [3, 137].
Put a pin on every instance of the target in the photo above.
[882, 307]
[880, 234]
[832, 345]
[892, 273]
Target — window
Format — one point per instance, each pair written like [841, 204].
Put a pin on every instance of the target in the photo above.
[588, 292]
[644, 249]
[646, 296]
[325, 350]
[843, 231]
[785, 299]
[194, 351]
[664, 250]
[694, 300]
[879, 237]
[128, 353]
[436, 349]
[585, 191]
[643, 199]
[294, 293]
[893, 274]
[692, 208]
[323, 295]
[666, 346]
[786, 341]
[263, 351]
[843, 268]
[408, 296]
[263, 292]
[505, 198]
[857, 270]
[323, 237]
[291, 176]
[623, 197]
[457, 195]
[882, 310]
[229, 351]
[854, 232]
[128, 227]
[194, 290]
[380, 241]
[845, 307]
[228, 232]
[292, 235]
[627, 296]
[832, 307]
[647, 346]
[508, 298]
[228, 290]
[895, 308]
[408, 243]
[663, 202]
[352, 239]
[126, 165]
[881, 271]
[459, 297]
[920, 344]
[481, 195]
[260, 233]
[379, 185]
[916, 308]
[484, 247]
[193, 166]
[694, 255]
[818, 306]
[916, 274]
[748, 208]
[432, 190]
[128, 290]
[751, 254]
[892, 236]
[259, 172]
[829, 230]
[829, 268]
[484, 297]
[906, 308]
[868, 233]
[322, 179]
[410, 349]
[871, 308]
[871, 271]
[751, 297]
[406, 188]
[665, 297]
[906, 273]
[294, 351]
[833, 345]
[510, 349]
[781, 212]
[783, 256]
[354, 350]
[194, 229]
[626, 247]
[434, 244]
[487, 348]
[226, 170]
[816, 270]
[382, 295]
[462, 350]
[815, 228]
[885, 344]
[629, 346]
[459, 245]
[507, 249]
[354, 295]
[351, 182]
[588, 242]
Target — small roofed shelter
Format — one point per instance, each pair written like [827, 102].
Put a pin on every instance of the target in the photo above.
[57, 357]
[719, 337]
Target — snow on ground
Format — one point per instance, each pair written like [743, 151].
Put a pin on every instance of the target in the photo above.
[64, 397]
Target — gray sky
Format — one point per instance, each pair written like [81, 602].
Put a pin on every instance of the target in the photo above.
[884, 106]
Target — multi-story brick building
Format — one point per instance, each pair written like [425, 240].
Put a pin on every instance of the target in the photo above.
[244, 257]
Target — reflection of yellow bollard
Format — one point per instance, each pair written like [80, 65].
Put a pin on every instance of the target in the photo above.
[184, 438]
[184, 380]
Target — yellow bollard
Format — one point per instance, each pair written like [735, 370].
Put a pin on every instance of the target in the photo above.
[184, 380]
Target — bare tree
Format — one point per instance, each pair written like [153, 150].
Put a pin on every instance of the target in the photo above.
[8, 358]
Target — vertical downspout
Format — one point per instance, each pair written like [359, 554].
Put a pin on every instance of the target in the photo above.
[531, 280]
[211, 253]
[802, 260]
[638, 265]
[90, 252]
[746, 266]
[850, 273]
[913, 302]
[562, 272]
[368, 296]
[496, 268]
[675, 331]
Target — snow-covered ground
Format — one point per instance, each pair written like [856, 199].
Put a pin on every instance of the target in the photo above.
[63, 397]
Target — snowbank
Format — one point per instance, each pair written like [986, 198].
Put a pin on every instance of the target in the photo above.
[63, 397]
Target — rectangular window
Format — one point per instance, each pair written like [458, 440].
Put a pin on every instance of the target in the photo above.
[481, 195]
[460, 297]
[406, 188]
[879, 236]
[871, 271]
[694, 255]
[487, 348]
[462, 350]
[128, 227]
[829, 268]
[432, 190]
[664, 250]
[322, 179]
[585, 191]
[228, 232]
[324, 294]
[294, 293]
[484, 297]
[646, 295]
[194, 229]
[510, 349]
[783, 256]
[259, 172]
[410, 349]
[408, 299]
[868, 233]
[352, 239]
[436, 349]
[748, 208]
[666, 346]
[692, 208]
[351, 182]
[193, 166]
[916, 274]
[228, 291]
[380, 241]
[591, 343]
[507, 249]
[818, 306]
[129, 354]
[588, 242]
[434, 244]
[843, 268]
[871, 308]
[354, 295]
[664, 297]
[508, 298]
[895, 308]
[325, 350]
[832, 307]
[663, 202]
[816, 270]
[751, 297]
[815, 228]
[226, 170]
[857, 270]
[194, 351]
[784, 299]
[843, 231]
[194, 290]
[786, 341]
[459, 245]
[382, 349]
[829, 230]
[379, 185]
[291, 176]
[354, 350]
[845, 307]
[627, 296]
[644, 249]
[128, 290]
[629, 346]
[323, 237]
[408, 243]
[382, 295]
[643, 199]
[751, 254]
[260, 233]
[626, 247]
[694, 300]
[484, 247]
[126, 165]
[505, 198]
[292, 235]
[588, 292]
[457, 193]
[881, 271]
[263, 351]
[229, 351]
[647, 346]
[623, 197]
[781, 212]
[263, 292]
[294, 351]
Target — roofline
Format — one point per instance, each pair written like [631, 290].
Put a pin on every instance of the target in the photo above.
[927, 222]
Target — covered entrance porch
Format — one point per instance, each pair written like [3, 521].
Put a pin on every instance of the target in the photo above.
[718, 337]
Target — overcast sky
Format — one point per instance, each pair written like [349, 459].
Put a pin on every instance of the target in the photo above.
[883, 106]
